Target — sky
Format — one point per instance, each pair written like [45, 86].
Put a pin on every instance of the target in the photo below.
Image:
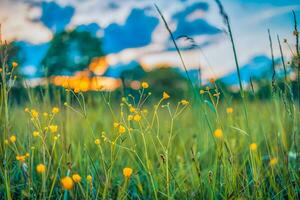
[144, 36]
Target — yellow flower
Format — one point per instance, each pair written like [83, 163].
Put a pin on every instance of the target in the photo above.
[273, 162]
[184, 102]
[97, 141]
[116, 124]
[89, 178]
[127, 171]
[20, 158]
[45, 114]
[40, 168]
[55, 110]
[14, 64]
[13, 139]
[26, 109]
[122, 129]
[145, 85]
[229, 110]
[27, 154]
[5, 141]
[76, 178]
[218, 133]
[202, 91]
[67, 183]
[166, 95]
[34, 113]
[55, 138]
[132, 109]
[253, 147]
[35, 133]
[53, 128]
[137, 118]
[130, 117]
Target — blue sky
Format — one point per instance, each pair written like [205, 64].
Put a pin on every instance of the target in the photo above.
[144, 38]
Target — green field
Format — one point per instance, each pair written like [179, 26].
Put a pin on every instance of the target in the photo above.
[206, 147]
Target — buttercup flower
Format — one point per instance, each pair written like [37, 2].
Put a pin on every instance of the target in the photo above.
[89, 178]
[14, 64]
[67, 183]
[137, 118]
[229, 110]
[273, 162]
[53, 128]
[20, 158]
[122, 129]
[35, 133]
[97, 141]
[13, 139]
[184, 102]
[34, 113]
[218, 133]
[40, 168]
[166, 95]
[76, 178]
[145, 85]
[55, 110]
[127, 171]
[253, 147]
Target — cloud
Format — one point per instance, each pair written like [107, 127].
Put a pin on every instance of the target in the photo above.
[136, 32]
[18, 21]
[55, 17]
[190, 21]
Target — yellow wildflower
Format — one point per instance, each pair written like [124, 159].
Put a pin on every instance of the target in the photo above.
[5, 141]
[116, 124]
[132, 109]
[55, 110]
[34, 113]
[145, 85]
[53, 128]
[273, 162]
[40, 168]
[67, 183]
[253, 147]
[122, 129]
[89, 178]
[137, 118]
[14, 64]
[184, 102]
[218, 133]
[45, 114]
[166, 95]
[35, 133]
[76, 178]
[20, 158]
[13, 139]
[229, 110]
[127, 171]
[97, 141]
[130, 117]
[202, 91]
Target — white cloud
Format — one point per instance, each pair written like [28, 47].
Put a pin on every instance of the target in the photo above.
[16, 19]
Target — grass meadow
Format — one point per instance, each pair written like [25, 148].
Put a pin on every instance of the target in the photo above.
[67, 144]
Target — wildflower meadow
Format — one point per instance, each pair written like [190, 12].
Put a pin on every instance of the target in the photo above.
[68, 142]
